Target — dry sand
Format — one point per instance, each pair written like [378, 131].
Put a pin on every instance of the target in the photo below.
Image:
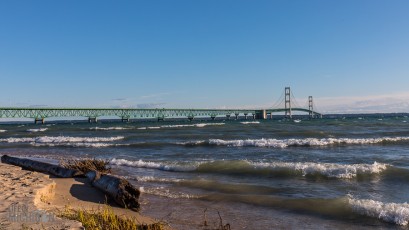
[29, 199]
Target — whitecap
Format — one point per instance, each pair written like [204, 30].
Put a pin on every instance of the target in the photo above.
[199, 125]
[250, 122]
[37, 130]
[80, 144]
[191, 142]
[153, 165]
[109, 128]
[277, 143]
[152, 127]
[330, 170]
[176, 126]
[60, 139]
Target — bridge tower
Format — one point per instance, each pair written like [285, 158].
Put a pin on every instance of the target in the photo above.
[310, 107]
[287, 103]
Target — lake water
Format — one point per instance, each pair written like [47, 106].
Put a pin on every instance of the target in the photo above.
[315, 174]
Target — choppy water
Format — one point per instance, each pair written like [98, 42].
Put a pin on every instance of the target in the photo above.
[318, 174]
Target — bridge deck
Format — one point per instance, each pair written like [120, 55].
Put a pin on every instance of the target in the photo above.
[133, 113]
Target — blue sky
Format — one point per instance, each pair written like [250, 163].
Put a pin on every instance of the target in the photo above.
[347, 54]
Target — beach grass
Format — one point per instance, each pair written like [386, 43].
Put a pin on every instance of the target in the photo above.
[106, 219]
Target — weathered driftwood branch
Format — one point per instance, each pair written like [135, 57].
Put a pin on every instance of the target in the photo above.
[119, 189]
[41, 167]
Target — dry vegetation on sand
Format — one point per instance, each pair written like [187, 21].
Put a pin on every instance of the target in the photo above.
[107, 219]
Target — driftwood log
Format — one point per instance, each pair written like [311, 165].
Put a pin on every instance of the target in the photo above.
[41, 167]
[122, 192]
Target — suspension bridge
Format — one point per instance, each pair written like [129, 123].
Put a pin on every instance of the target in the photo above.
[286, 105]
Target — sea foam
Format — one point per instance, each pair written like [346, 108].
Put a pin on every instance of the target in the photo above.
[164, 192]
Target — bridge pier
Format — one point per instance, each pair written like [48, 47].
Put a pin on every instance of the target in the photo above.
[261, 114]
[38, 120]
[125, 119]
[161, 118]
[190, 118]
[92, 120]
[254, 116]
[228, 116]
[213, 117]
[236, 115]
[271, 116]
[245, 116]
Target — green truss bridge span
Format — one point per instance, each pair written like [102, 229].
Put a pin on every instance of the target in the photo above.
[40, 114]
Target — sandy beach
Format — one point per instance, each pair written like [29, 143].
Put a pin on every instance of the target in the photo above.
[31, 200]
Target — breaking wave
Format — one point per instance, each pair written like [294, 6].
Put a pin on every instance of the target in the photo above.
[109, 128]
[65, 141]
[60, 139]
[329, 170]
[37, 130]
[397, 213]
[250, 122]
[153, 165]
[153, 127]
[3, 130]
[200, 125]
[74, 144]
[284, 143]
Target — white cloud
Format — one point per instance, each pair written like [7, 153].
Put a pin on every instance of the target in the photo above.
[386, 103]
